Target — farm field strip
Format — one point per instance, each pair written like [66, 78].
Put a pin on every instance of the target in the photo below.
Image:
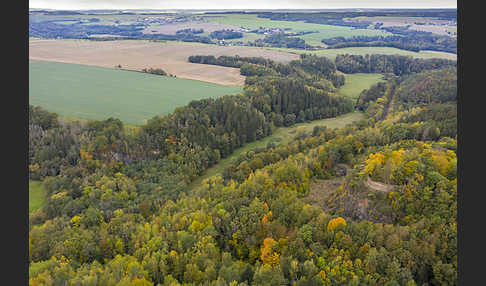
[99, 93]
[332, 53]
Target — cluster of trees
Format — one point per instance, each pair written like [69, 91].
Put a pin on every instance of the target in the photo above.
[226, 34]
[157, 71]
[190, 31]
[281, 40]
[230, 61]
[395, 64]
[290, 100]
[119, 210]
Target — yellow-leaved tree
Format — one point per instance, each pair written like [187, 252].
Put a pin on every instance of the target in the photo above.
[268, 253]
[334, 223]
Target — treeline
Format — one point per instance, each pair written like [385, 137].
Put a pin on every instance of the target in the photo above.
[404, 39]
[399, 42]
[47, 29]
[395, 64]
[190, 31]
[230, 61]
[257, 225]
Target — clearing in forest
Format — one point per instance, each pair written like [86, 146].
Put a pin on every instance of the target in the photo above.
[355, 83]
[37, 195]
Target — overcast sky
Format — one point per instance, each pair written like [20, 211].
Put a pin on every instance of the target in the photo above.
[239, 4]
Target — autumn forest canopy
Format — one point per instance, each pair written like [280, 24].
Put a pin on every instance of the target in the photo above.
[121, 206]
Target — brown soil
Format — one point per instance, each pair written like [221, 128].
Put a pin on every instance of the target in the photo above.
[136, 55]
[378, 186]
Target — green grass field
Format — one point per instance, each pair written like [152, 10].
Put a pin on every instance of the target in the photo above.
[90, 92]
[322, 31]
[36, 195]
[355, 83]
[280, 135]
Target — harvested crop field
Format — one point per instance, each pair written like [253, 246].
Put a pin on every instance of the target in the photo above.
[136, 55]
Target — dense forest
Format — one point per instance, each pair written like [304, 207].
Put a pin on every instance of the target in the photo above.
[120, 211]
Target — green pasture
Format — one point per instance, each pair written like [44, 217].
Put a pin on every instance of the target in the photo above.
[357, 82]
[90, 92]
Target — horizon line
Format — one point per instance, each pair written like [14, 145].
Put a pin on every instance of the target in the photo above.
[234, 9]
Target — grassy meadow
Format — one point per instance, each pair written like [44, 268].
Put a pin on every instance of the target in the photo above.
[36, 195]
[355, 83]
[91, 92]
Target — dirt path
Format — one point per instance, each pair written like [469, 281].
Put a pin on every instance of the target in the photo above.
[391, 91]
[377, 186]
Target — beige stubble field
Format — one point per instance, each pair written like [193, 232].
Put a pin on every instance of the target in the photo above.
[136, 55]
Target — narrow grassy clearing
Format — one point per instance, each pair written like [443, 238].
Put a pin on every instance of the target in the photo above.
[36, 195]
